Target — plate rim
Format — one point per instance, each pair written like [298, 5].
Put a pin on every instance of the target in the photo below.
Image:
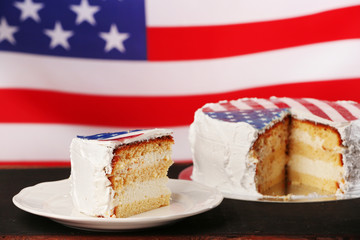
[216, 195]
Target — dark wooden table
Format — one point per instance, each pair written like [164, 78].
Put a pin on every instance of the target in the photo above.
[231, 219]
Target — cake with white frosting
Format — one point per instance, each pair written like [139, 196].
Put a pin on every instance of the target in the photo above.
[247, 146]
[121, 174]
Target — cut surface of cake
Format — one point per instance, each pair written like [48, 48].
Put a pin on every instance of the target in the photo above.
[121, 174]
[250, 146]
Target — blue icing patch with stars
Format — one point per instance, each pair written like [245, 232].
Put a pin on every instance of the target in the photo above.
[257, 118]
[108, 136]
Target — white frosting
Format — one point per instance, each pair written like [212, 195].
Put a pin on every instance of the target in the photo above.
[220, 153]
[91, 189]
[351, 159]
[220, 150]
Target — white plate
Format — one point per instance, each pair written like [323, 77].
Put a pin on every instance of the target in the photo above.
[52, 200]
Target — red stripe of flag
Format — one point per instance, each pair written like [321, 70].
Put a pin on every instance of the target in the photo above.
[39, 106]
[343, 111]
[205, 42]
[313, 108]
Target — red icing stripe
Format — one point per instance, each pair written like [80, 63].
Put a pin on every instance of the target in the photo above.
[228, 106]
[207, 109]
[313, 108]
[279, 103]
[342, 110]
[253, 104]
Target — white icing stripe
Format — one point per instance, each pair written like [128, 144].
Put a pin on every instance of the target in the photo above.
[294, 104]
[350, 107]
[240, 105]
[205, 12]
[217, 107]
[331, 112]
[265, 103]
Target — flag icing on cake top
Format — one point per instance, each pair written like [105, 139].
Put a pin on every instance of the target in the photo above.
[248, 109]
[258, 118]
[125, 137]
[113, 136]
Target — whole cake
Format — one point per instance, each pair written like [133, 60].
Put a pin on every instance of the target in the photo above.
[121, 174]
[249, 146]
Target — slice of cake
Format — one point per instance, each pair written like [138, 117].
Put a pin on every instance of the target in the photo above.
[121, 174]
[315, 156]
[251, 146]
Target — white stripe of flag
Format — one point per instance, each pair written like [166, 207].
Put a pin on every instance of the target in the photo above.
[101, 77]
[164, 13]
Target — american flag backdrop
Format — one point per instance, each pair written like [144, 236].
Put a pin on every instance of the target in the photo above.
[81, 67]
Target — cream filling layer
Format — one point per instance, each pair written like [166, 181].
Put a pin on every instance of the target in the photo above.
[314, 141]
[315, 168]
[142, 190]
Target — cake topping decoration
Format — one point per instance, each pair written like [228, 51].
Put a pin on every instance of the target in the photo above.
[258, 118]
[113, 136]
[339, 111]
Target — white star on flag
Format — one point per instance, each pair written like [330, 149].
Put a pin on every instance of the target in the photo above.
[7, 31]
[59, 36]
[29, 9]
[85, 12]
[114, 39]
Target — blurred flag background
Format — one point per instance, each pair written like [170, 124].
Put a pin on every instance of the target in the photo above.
[78, 67]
